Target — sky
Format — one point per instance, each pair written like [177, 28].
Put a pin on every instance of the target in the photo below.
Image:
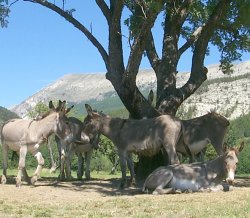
[38, 47]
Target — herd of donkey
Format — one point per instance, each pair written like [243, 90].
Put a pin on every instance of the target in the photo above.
[146, 137]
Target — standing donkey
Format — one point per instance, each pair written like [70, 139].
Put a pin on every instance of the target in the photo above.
[146, 136]
[79, 146]
[27, 135]
[198, 132]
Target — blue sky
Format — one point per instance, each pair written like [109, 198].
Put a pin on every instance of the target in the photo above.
[39, 46]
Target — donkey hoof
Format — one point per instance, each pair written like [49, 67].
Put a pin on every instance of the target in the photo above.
[18, 183]
[33, 180]
[122, 186]
[155, 192]
[3, 179]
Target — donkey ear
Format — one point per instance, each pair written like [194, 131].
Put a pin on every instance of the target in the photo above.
[69, 109]
[151, 96]
[63, 106]
[89, 109]
[51, 105]
[242, 144]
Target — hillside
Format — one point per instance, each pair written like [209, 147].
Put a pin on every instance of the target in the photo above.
[6, 114]
[228, 94]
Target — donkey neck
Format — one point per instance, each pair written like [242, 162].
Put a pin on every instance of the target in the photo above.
[215, 169]
[46, 126]
[110, 127]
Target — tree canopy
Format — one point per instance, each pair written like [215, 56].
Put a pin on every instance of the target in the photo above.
[187, 24]
[4, 11]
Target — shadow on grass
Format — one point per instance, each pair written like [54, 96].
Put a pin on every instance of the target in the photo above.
[107, 187]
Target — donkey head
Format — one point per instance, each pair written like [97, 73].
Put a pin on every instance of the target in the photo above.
[231, 161]
[92, 123]
[62, 127]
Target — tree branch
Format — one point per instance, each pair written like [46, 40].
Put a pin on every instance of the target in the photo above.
[151, 51]
[78, 25]
[104, 8]
[198, 71]
[140, 41]
[190, 41]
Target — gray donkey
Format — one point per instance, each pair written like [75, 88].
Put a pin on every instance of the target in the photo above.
[146, 136]
[79, 146]
[194, 177]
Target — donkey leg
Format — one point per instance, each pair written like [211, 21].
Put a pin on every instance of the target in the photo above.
[62, 172]
[21, 164]
[40, 162]
[170, 149]
[161, 191]
[79, 166]
[68, 157]
[26, 176]
[5, 163]
[131, 169]
[123, 164]
[87, 165]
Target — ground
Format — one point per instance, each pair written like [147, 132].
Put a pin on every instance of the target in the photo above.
[100, 198]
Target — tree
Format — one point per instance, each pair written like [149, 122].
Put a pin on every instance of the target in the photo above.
[4, 11]
[38, 110]
[222, 23]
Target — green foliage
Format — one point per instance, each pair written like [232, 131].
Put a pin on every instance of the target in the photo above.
[4, 13]
[244, 159]
[210, 153]
[239, 128]
[39, 109]
[108, 153]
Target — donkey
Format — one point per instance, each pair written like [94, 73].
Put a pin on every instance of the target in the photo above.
[27, 135]
[146, 136]
[197, 133]
[199, 176]
[78, 145]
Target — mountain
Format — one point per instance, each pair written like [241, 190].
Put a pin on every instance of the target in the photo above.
[6, 114]
[228, 94]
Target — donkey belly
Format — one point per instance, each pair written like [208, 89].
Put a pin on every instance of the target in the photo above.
[14, 146]
[83, 148]
[146, 148]
[184, 184]
[195, 147]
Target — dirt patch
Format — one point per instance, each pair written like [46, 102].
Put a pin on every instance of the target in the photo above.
[50, 188]
[101, 198]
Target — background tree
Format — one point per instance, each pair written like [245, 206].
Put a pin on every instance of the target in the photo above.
[4, 11]
[222, 23]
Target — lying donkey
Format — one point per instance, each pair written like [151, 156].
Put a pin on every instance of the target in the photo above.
[194, 177]
[146, 136]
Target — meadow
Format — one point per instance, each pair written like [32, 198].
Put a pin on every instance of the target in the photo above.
[100, 197]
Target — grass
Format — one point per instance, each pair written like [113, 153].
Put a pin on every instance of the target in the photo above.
[101, 199]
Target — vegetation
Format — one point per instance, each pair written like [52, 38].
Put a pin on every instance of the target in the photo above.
[104, 158]
[4, 13]
[6, 114]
